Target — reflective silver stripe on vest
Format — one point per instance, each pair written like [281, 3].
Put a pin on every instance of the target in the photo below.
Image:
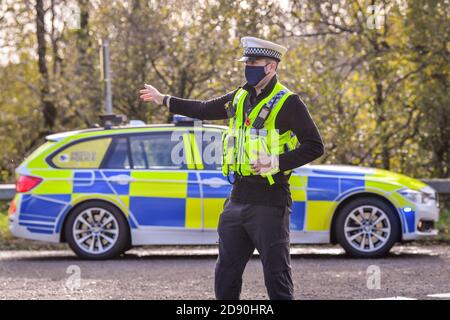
[275, 98]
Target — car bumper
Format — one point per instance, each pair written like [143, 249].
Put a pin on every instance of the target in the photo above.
[29, 231]
[423, 225]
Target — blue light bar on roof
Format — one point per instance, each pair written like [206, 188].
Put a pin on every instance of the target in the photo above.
[179, 120]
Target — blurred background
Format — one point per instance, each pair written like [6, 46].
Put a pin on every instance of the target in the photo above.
[374, 74]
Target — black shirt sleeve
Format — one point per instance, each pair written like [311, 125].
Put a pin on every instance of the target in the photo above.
[295, 116]
[213, 109]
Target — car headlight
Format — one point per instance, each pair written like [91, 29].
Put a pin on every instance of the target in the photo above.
[418, 196]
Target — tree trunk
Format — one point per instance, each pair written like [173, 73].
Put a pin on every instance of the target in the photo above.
[47, 106]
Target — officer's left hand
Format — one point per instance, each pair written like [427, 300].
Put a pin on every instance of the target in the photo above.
[264, 163]
[150, 93]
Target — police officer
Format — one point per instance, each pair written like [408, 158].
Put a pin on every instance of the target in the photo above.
[270, 133]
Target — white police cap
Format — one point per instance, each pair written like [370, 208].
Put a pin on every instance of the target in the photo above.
[255, 47]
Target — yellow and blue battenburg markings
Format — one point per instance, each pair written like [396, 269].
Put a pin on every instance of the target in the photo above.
[166, 199]
[324, 191]
[315, 198]
[313, 209]
[44, 210]
[159, 198]
[213, 199]
[179, 199]
[40, 213]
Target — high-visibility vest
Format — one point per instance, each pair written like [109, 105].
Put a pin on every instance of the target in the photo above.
[247, 135]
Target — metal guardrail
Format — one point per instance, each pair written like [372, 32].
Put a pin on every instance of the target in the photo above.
[442, 186]
[7, 191]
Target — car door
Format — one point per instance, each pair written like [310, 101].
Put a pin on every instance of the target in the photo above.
[160, 181]
[215, 187]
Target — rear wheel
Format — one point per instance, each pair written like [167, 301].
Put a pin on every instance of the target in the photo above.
[367, 228]
[97, 230]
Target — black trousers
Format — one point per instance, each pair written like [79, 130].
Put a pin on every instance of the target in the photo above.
[242, 228]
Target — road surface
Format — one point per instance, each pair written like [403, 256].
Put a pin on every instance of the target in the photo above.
[319, 272]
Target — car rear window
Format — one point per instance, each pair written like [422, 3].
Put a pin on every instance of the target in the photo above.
[86, 154]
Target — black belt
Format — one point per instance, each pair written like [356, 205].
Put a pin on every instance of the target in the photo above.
[279, 178]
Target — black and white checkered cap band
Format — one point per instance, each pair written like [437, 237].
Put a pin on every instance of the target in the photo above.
[262, 52]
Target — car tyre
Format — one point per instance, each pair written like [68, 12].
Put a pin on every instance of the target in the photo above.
[97, 230]
[367, 228]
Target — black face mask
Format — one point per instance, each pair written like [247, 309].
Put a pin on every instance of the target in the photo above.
[254, 74]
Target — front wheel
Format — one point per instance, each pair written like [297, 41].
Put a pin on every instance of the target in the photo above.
[367, 228]
[97, 230]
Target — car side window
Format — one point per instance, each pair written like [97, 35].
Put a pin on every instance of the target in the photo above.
[155, 151]
[117, 156]
[212, 149]
[85, 154]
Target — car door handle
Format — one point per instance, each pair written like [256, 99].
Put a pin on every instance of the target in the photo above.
[121, 179]
[215, 182]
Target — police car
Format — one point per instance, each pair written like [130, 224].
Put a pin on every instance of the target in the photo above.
[104, 190]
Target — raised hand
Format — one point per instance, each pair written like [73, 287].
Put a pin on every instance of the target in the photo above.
[150, 93]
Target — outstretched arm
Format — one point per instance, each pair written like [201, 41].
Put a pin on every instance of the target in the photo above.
[213, 109]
